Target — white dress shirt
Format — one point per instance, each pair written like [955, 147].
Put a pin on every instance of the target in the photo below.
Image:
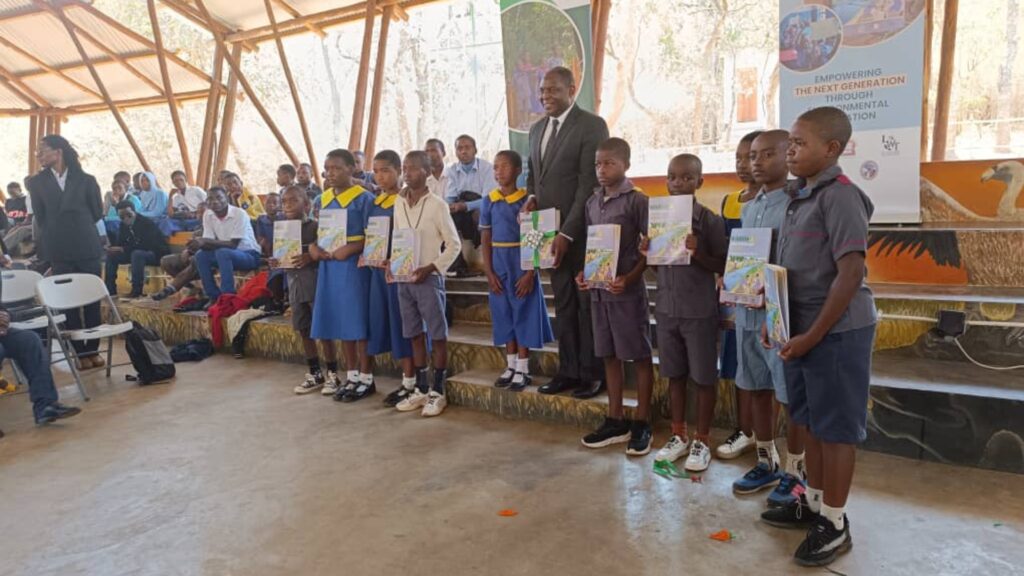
[234, 226]
[550, 132]
[62, 179]
[432, 220]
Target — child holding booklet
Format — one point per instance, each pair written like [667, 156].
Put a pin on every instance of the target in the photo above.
[301, 272]
[822, 246]
[686, 311]
[386, 319]
[620, 313]
[342, 289]
[421, 298]
[519, 317]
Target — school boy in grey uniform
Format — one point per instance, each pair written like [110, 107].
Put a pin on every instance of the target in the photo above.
[421, 301]
[822, 245]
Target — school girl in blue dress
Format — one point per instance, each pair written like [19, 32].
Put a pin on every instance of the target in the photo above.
[518, 315]
[340, 310]
[385, 318]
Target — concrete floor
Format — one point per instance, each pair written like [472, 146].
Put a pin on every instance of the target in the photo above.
[227, 472]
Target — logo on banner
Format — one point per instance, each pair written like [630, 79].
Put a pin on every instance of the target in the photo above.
[890, 145]
[869, 170]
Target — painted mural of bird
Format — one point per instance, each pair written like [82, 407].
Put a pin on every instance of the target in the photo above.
[1010, 172]
[937, 205]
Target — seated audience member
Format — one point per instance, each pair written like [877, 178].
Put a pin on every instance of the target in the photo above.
[466, 183]
[181, 267]
[240, 196]
[109, 203]
[136, 186]
[26, 349]
[437, 178]
[18, 212]
[264, 225]
[285, 177]
[185, 199]
[140, 243]
[153, 198]
[119, 193]
[361, 176]
[228, 244]
[304, 178]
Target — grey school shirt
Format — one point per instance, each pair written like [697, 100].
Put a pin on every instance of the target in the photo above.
[823, 224]
[690, 291]
[766, 210]
[626, 206]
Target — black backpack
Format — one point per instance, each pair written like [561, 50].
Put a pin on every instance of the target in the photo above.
[148, 354]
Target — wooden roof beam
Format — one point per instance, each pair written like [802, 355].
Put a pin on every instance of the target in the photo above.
[94, 107]
[77, 65]
[22, 90]
[336, 17]
[47, 68]
[189, 12]
[296, 14]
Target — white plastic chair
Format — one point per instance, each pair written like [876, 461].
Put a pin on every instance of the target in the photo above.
[73, 291]
[19, 289]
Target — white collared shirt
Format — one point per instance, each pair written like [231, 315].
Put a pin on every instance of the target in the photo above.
[189, 199]
[432, 220]
[62, 179]
[549, 131]
[234, 226]
[438, 186]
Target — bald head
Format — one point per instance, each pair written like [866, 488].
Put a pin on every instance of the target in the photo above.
[768, 159]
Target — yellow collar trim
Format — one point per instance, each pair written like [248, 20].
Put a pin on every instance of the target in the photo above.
[497, 196]
[345, 198]
[385, 200]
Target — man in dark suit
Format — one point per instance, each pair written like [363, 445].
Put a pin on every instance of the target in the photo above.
[561, 175]
[67, 204]
[139, 243]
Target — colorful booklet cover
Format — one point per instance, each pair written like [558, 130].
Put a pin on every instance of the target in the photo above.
[602, 256]
[405, 254]
[331, 232]
[537, 231]
[749, 250]
[287, 242]
[375, 247]
[776, 303]
[670, 220]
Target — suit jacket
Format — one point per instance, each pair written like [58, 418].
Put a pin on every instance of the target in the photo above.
[67, 218]
[567, 177]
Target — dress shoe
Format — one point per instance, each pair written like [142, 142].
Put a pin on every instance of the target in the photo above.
[54, 412]
[589, 389]
[97, 361]
[84, 364]
[559, 384]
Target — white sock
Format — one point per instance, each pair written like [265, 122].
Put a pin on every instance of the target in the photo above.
[366, 378]
[511, 358]
[814, 499]
[795, 465]
[408, 382]
[523, 365]
[835, 515]
[767, 453]
[353, 376]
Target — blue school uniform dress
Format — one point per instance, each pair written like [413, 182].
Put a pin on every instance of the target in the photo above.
[524, 320]
[385, 315]
[340, 309]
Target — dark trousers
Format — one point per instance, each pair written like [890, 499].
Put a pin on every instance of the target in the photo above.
[87, 317]
[138, 259]
[572, 309]
[26, 349]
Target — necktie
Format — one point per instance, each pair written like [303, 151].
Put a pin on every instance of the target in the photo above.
[551, 140]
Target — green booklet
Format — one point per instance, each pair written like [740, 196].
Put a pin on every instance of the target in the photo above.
[331, 231]
[405, 254]
[669, 222]
[776, 304]
[602, 257]
[375, 247]
[749, 250]
[537, 231]
[287, 242]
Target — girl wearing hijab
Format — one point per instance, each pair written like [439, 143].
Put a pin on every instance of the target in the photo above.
[154, 200]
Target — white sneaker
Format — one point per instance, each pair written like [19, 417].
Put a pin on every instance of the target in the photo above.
[310, 384]
[735, 446]
[699, 458]
[414, 401]
[436, 403]
[331, 385]
[675, 449]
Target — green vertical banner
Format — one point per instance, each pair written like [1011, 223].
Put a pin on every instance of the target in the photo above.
[538, 35]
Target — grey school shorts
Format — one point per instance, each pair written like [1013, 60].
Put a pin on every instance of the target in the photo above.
[759, 368]
[688, 349]
[828, 387]
[622, 328]
[421, 304]
[302, 317]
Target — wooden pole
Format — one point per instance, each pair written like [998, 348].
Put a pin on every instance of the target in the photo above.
[57, 121]
[600, 39]
[172, 103]
[359, 107]
[926, 78]
[295, 92]
[295, 14]
[236, 66]
[33, 140]
[210, 121]
[228, 122]
[945, 88]
[103, 89]
[378, 83]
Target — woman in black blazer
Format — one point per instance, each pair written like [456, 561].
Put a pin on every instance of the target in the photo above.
[67, 204]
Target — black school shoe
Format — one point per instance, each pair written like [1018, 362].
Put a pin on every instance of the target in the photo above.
[347, 388]
[396, 396]
[360, 391]
[505, 379]
[612, 431]
[795, 515]
[640, 437]
[54, 412]
[520, 385]
[824, 543]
